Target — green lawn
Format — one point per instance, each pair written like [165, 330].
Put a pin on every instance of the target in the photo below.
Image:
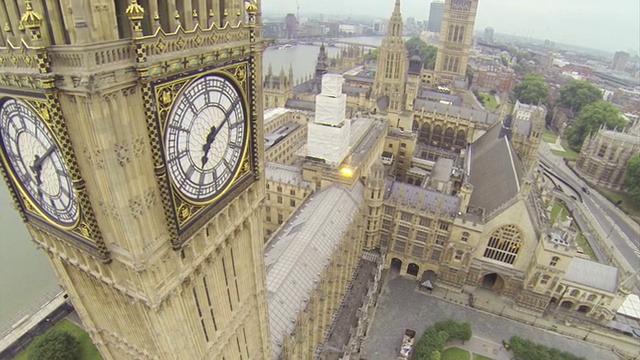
[489, 102]
[582, 242]
[89, 351]
[480, 357]
[556, 209]
[549, 137]
[455, 353]
[568, 153]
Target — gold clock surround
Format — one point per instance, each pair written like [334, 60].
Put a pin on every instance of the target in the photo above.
[85, 233]
[184, 217]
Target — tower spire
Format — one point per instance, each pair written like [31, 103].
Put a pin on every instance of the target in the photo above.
[395, 23]
[393, 55]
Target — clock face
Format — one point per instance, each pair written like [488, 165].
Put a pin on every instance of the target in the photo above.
[35, 161]
[205, 138]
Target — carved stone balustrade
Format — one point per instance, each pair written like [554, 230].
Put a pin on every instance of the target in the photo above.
[74, 60]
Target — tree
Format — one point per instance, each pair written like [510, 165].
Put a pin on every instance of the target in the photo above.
[55, 345]
[528, 350]
[531, 90]
[590, 119]
[426, 52]
[577, 94]
[632, 178]
[435, 355]
[372, 55]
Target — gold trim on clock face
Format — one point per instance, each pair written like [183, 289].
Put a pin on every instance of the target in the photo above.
[205, 137]
[35, 163]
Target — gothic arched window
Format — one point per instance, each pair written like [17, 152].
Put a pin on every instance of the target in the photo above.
[448, 137]
[504, 244]
[461, 139]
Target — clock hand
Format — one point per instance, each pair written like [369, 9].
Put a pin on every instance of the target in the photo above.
[204, 159]
[213, 132]
[40, 159]
[37, 164]
[37, 170]
[211, 136]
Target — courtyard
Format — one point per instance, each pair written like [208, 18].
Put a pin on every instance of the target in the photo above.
[401, 307]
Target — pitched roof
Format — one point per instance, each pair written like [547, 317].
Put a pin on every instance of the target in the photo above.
[495, 170]
[592, 274]
[422, 199]
[476, 116]
[301, 104]
[297, 256]
[287, 174]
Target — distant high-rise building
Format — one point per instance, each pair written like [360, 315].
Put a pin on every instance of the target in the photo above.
[435, 16]
[488, 34]
[379, 27]
[456, 37]
[620, 59]
[548, 44]
[291, 25]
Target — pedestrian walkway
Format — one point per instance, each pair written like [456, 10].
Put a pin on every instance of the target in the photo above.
[480, 346]
[401, 307]
[490, 302]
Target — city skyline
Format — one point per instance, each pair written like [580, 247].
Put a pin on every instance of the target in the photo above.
[590, 23]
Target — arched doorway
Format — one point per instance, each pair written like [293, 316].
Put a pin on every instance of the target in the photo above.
[566, 304]
[493, 282]
[415, 127]
[584, 309]
[396, 266]
[413, 269]
[553, 301]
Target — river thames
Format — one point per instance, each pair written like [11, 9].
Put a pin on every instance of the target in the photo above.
[26, 278]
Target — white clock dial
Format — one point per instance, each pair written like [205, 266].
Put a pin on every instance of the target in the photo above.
[34, 160]
[205, 137]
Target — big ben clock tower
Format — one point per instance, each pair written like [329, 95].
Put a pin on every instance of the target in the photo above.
[130, 142]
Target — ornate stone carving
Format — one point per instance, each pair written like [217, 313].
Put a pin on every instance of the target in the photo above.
[94, 158]
[136, 206]
[110, 210]
[139, 147]
[123, 153]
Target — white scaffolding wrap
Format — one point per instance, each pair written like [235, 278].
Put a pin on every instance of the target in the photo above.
[330, 143]
[332, 84]
[330, 110]
[328, 135]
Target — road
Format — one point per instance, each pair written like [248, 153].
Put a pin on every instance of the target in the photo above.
[618, 229]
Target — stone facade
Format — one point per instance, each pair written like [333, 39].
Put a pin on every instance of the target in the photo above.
[286, 191]
[604, 156]
[528, 122]
[144, 286]
[388, 91]
[456, 38]
[278, 89]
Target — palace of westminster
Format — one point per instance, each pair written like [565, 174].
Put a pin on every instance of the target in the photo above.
[194, 208]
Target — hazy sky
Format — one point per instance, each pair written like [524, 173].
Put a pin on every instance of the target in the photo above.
[601, 24]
